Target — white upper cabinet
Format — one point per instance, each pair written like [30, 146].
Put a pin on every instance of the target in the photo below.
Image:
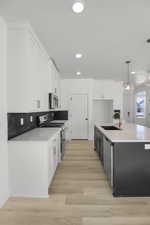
[55, 88]
[31, 73]
[17, 70]
[55, 80]
[39, 73]
[50, 75]
[53, 75]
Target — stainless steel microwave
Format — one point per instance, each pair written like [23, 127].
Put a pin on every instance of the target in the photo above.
[53, 101]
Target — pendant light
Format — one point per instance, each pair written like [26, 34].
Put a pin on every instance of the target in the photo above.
[78, 6]
[127, 85]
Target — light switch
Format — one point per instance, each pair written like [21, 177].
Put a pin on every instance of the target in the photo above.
[21, 121]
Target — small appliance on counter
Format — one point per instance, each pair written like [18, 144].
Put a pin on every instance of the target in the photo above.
[44, 121]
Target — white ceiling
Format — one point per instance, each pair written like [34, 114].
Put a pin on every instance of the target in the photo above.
[107, 33]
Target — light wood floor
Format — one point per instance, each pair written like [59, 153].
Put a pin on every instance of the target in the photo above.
[79, 195]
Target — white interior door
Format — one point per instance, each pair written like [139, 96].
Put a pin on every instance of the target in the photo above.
[79, 116]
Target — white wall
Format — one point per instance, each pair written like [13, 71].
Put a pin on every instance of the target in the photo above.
[4, 191]
[94, 89]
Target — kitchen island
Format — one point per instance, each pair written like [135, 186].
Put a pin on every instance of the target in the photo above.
[125, 156]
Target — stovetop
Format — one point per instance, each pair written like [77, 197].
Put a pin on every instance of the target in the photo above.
[53, 125]
[43, 121]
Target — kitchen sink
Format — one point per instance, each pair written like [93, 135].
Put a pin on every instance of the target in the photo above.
[110, 128]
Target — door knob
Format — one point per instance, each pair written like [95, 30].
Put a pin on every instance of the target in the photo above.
[86, 118]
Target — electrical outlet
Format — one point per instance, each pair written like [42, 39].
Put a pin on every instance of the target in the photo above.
[21, 121]
[31, 119]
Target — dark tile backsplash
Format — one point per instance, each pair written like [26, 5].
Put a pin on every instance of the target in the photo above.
[15, 128]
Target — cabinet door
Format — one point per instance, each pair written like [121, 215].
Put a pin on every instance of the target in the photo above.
[34, 68]
[55, 154]
[98, 140]
[95, 138]
[53, 80]
[108, 159]
[58, 90]
[53, 159]
[50, 77]
[58, 148]
[50, 164]
[54, 148]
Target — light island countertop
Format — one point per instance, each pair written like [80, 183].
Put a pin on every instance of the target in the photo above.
[129, 133]
[37, 134]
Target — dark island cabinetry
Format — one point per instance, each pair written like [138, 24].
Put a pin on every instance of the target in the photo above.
[98, 143]
[126, 165]
[103, 147]
[131, 170]
[108, 159]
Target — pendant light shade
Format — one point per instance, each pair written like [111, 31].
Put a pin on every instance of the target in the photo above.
[127, 85]
[78, 6]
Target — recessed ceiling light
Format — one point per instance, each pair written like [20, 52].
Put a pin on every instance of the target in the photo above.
[78, 6]
[78, 56]
[133, 72]
[78, 73]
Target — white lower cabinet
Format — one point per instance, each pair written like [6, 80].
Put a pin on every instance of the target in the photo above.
[50, 165]
[68, 131]
[32, 166]
[53, 156]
